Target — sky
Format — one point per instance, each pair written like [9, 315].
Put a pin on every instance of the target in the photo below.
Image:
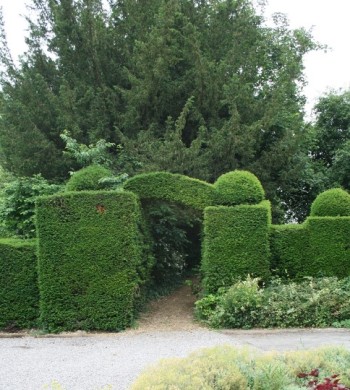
[328, 19]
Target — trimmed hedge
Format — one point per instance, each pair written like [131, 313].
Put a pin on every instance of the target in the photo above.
[329, 246]
[173, 188]
[238, 187]
[88, 178]
[235, 244]
[19, 294]
[90, 249]
[290, 250]
[331, 203]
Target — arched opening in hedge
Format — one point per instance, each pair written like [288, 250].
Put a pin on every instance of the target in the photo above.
[174, 205]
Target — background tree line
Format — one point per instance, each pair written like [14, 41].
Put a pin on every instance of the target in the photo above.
[198, 87]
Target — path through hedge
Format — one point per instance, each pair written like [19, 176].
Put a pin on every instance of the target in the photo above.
[173, 312]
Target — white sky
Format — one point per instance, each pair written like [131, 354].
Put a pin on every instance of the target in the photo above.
[329, 19]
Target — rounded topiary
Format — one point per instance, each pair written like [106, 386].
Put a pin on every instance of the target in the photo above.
[239, 187]
[331, 203]
[87, 178]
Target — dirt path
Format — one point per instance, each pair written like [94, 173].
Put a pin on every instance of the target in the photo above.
[173, 312]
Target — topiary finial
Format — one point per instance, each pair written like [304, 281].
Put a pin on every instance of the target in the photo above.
[331, 203]
[88, 178]
[239, 187]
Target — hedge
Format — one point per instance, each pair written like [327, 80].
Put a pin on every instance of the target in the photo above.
[331, 203]
[329, 246]
[290, 250]
[89, 252]
[19, 294]
[173, 188]
[235, 244]
[238, 187]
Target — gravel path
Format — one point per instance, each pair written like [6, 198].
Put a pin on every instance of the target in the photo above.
[81, 361]
[90, 362]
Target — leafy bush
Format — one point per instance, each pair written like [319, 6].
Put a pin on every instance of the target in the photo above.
[17, 208]
[238, 187]
[311, 303]
[226, 367]
[88, 178]
[331, 203]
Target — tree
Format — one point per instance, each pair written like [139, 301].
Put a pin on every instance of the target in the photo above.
[331, 147]
[188, 86]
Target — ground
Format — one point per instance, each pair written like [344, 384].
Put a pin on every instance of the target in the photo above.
[173, 312]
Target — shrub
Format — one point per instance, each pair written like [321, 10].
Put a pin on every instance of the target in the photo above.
[231, 368]
[18, 207]
[239, 306]
[90, 260]
[314, 302]
[19, 294]
[331, 203]
[88, 178]
[173, 188]
[238, 187]
[235, 244]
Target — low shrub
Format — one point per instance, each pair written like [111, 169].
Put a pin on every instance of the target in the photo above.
[311, 303]
[244, 369]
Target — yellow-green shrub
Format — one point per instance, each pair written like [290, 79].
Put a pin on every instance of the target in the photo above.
[227, 367]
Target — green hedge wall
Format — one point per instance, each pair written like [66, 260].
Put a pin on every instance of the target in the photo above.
[173, 188]
[235, 244]
[89, 252]
[329, 246]
[19, 294]
[290, 250]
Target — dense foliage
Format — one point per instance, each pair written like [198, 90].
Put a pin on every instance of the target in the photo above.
[226, 367]
[311, 303]
[175, 242]
[19, 293]
[187, 86]
[17, 206]
[93, 283]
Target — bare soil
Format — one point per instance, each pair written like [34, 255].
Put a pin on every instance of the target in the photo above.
[173, 312]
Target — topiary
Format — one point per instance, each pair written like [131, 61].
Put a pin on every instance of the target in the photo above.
[88, 178]
[238, 187]
[331, 203]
